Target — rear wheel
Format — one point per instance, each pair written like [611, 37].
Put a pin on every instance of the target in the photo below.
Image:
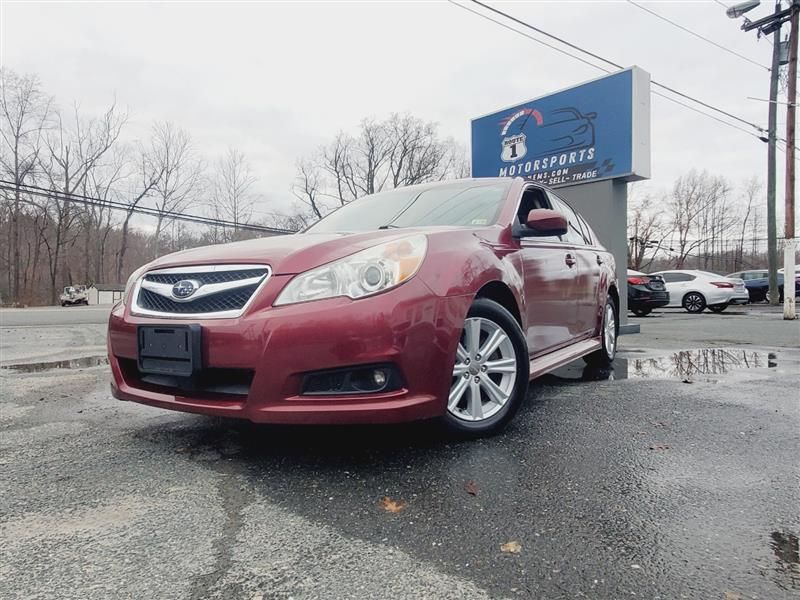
[490, 375]
[694, 302]
[608, 337]
[717, 308]
[641, 312]
[780, 298]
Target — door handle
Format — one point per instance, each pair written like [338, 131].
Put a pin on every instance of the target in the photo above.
[570, 260]
[599, 260]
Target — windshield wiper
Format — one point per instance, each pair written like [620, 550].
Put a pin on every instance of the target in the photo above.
[389, 226]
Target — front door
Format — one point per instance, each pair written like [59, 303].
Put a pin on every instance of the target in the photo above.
[550, 292]
[550, 268]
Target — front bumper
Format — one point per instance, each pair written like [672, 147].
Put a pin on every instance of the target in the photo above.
[408, 327]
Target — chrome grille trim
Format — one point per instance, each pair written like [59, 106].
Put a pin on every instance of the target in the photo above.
[165, 289]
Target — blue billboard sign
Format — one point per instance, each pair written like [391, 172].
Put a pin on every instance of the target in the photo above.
[596, 130]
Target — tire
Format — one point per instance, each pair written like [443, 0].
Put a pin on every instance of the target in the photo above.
[500, 392]
[780, 298]
[641, 312]
[609, 332]
[717, 308]
[694, 302]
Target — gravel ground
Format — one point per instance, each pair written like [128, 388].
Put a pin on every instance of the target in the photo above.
[629, 483]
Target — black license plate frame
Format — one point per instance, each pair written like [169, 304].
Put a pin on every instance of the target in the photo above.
[169, 349]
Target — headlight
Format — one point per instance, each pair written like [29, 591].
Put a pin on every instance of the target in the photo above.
[131, 281]
[362, 274]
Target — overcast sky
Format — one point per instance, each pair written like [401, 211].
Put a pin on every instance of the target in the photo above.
[278, 79]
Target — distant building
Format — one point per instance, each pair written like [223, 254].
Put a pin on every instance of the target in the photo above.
[105, 293]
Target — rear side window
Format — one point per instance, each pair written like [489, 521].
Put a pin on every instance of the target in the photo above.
[676, 277]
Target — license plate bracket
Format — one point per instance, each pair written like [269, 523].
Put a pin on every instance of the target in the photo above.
[169, 350]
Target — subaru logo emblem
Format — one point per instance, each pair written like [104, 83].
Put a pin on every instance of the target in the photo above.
[185, 288]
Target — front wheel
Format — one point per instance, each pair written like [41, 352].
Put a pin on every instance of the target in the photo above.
[694, 302]
[609, 332]
[641, 312]
[490, 375]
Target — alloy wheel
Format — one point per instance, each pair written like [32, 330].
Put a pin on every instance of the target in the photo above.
[484, 373]
[610, 330]
[693, 302]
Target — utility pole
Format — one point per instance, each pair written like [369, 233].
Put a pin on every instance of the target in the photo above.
[772, 126]
[788, 249]
[766, 26]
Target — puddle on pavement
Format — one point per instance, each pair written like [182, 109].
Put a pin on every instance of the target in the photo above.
[73, 363]
[685, 365]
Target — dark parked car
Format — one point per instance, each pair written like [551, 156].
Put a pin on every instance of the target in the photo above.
[432, 301]
[757, 283]
[645, 293]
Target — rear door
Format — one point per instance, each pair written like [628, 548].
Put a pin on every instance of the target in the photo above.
[550, 273]
[677, 286]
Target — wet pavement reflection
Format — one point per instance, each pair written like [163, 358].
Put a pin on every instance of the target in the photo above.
[684, 365]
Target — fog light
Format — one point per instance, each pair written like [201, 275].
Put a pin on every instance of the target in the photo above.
[368, 379]
[379, 377]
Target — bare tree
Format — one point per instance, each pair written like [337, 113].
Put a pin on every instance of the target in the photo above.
[752, 193]
[307, 187]
[181, 175]
[401, 150]
[74, 150]
[145, 175]
[692, 196]
[102, 184]
[646, 232]
[25, 109]
[232, 198]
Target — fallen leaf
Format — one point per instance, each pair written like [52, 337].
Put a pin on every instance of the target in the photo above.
[181, 450]
[471, 488]
[659, 447]
[392, 506]
[511, 547]
[732, 596]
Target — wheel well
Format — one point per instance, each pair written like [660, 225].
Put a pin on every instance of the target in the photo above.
[500, 293]
[612, 291]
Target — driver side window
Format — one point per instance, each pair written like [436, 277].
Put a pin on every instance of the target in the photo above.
[533, 198]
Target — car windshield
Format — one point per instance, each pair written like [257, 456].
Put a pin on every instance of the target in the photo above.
[464, 204]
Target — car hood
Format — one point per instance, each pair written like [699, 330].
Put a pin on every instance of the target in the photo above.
[288, 254]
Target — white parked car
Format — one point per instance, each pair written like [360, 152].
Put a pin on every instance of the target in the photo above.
[697, 290]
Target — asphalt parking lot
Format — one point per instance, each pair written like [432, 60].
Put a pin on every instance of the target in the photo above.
[673, 476]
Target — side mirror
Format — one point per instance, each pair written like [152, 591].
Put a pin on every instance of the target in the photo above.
[544, 222]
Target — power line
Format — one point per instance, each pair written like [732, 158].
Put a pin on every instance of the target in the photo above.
[143, 210]
[705, 114]
[610, 62]
[530, 37]
[697, 35]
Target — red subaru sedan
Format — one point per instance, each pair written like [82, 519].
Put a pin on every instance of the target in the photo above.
[431, 301]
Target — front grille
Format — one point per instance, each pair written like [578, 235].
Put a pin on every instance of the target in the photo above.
[220, 291]
[204, 278]
[224, 301]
